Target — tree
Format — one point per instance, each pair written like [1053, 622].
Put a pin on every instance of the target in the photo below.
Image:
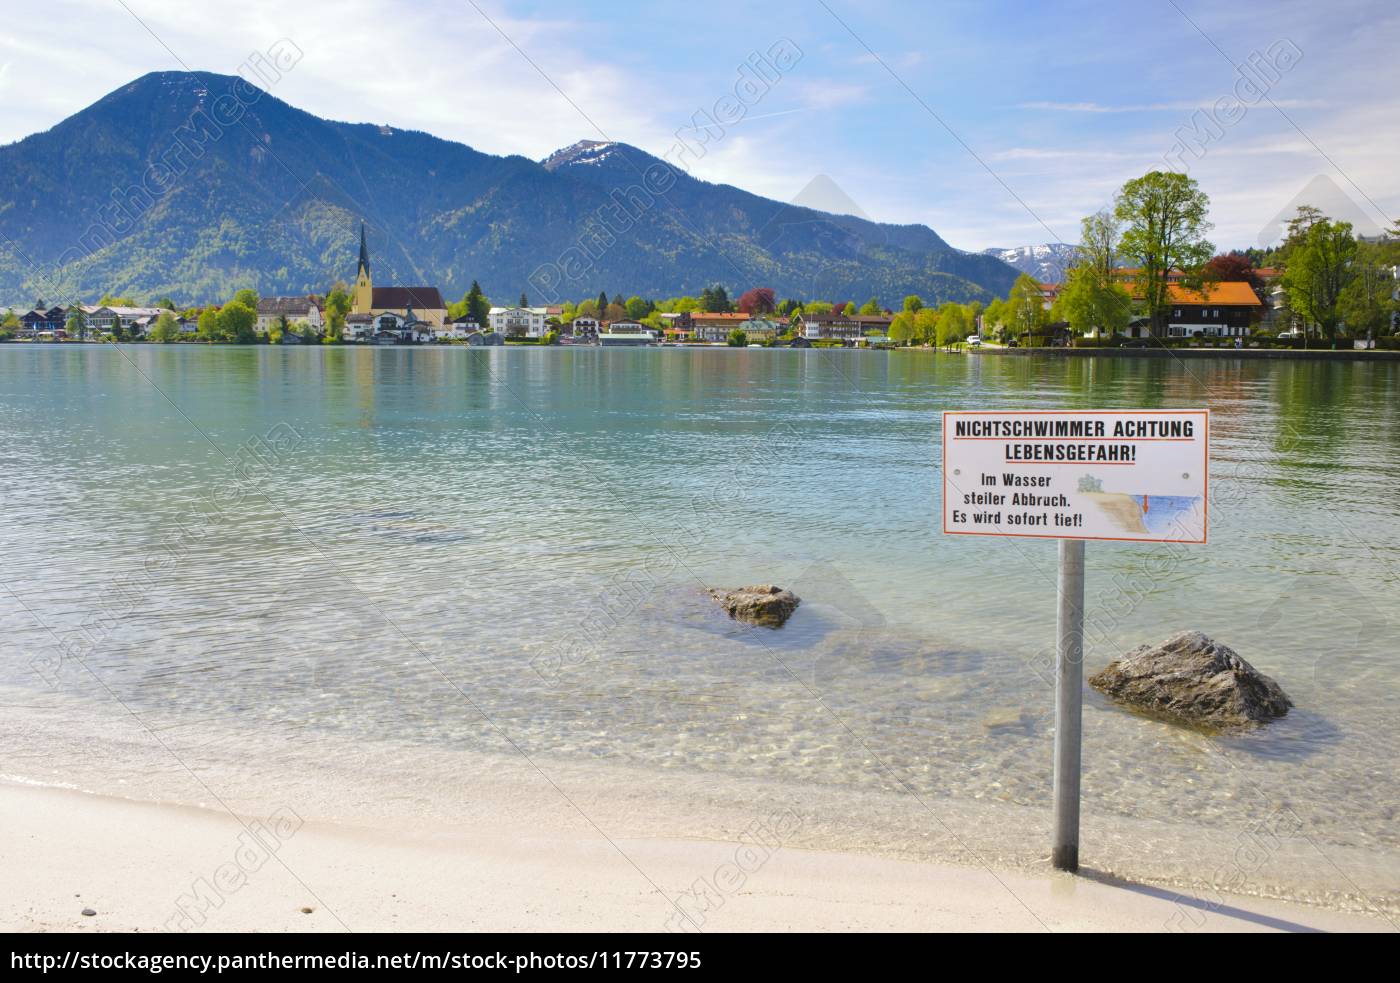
[1319, 271]
[1368, 302]
[76, 323]
[524, 302]
[637, 308]
[1164, 219]
[248, 297]
[236, 322]
[615, 312]
[996, 318]
[1234, 268]
[759, 300]
[902, 328]
[166, 329]
[925, 325]
[277, 330]
[788, 307]
[167, 303]
[1025, 306]
[737, 339]
[816, 307]
[207, 328]
[953, 324]
[602, 301]
[870, 307]
[587, 308]
[1088, 303]
[551, 337]
[715, 300]
[848, 309]
[337, 309]
[913, 303]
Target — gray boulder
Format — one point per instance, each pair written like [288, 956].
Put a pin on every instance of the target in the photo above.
[761, 604]
[1190, 678]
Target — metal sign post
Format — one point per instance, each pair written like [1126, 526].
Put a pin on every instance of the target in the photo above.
[1122, 475]
[1069, 704]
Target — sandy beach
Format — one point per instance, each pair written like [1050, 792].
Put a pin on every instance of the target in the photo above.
[131, 862]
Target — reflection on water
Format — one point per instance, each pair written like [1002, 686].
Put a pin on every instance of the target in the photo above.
[538, 527]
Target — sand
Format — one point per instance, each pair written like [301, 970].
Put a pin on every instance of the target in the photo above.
[132, 861]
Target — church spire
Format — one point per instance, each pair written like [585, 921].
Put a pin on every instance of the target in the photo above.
[363, 300]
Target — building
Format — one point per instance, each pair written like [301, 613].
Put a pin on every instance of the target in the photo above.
[585, 327]
[272, 309]
[1223, 310]
[132, 320]
[519, 322]
[714, 326]
[366, 298]
[831, 327]
[637, 336]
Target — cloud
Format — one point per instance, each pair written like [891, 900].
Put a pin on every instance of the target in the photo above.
[1178, 106]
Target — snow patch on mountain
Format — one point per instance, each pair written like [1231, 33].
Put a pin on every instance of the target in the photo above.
[1046, 262]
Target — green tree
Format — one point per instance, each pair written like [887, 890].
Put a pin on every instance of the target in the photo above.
[248, 297]
[953, 325]
[1163, 214]
[76, 324]
[902, 328]
[278, 330]
[602, 301]
[913, 303]
[870, 307]
[637, 309]
[1319, 272]
[1025, 306]
[236, 322]
[925, 325]
[715, 300]
[166, 329]
[338, 306]
[524, 301]
[207, 327]
[1088, 302]
[1368, 302]
[737, 339]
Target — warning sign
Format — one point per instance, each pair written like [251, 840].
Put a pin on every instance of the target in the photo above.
[1136, 475]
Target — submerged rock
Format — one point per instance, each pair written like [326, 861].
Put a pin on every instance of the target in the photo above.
[1193, 679]
[761, 604]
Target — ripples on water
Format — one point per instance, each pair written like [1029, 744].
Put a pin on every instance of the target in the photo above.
[536, 527]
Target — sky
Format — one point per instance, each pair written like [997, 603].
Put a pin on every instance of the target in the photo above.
[996, 124]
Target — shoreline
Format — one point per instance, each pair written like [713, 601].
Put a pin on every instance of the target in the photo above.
[148, 866]
[1295, 354]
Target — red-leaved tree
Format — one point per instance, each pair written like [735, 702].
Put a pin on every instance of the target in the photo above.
[759, 300]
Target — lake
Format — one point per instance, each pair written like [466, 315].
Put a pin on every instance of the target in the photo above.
[371, 581]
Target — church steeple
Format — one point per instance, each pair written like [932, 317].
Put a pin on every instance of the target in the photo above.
[363, 300]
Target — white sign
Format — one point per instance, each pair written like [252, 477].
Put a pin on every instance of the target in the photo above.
[1136, 475]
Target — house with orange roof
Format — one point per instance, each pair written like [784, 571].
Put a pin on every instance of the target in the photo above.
[1220, 310]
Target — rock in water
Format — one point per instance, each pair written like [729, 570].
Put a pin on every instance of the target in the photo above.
[1193, 679]
[762, 604]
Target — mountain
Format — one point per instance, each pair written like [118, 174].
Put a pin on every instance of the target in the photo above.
[1047, 263]
[193, 185]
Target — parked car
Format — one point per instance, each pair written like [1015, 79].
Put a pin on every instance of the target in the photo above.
[974, 340]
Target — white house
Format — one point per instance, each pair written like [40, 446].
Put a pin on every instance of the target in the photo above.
[134, 319]
[518, 322]
[294, 309]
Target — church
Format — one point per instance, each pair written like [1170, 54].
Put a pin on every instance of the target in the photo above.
[424, 303]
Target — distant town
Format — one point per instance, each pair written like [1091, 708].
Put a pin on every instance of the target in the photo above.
[1144, 275]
